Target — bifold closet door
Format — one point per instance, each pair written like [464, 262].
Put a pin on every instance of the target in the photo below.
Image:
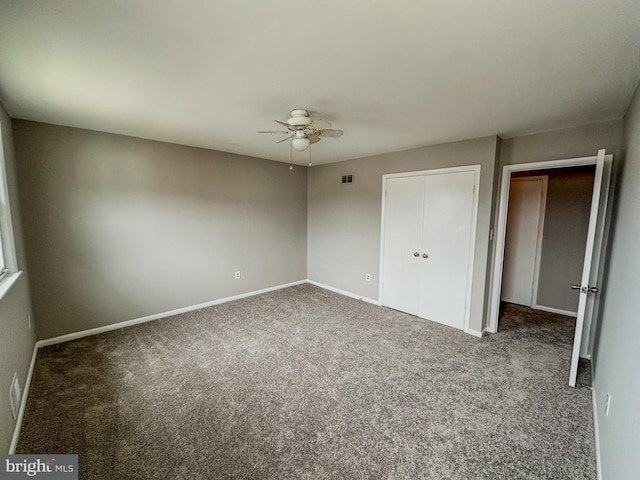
[446, 239]
[404, 204]
[427, 243]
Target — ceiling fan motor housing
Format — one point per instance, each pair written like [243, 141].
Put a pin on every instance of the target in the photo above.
[299, 118]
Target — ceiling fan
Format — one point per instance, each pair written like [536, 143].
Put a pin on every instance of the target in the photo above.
[303, 130]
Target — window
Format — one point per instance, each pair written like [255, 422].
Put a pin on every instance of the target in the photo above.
[7, 250]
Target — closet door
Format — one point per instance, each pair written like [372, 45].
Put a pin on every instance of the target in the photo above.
[427, 243]
[402, 240]
[446, 241]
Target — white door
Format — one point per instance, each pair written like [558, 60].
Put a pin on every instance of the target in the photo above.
[446, 242]
[591, 273]
[428, 242]
[525, 218]
[402, 236]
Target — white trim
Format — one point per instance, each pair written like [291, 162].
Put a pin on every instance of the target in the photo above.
[559, 311]
[472, 244]
[7, 281]
[23, 402]
[344, 292]
[434, 171]
[7, 241]
[596, 429]
[148, 318]
[476, 333]
[476, 169]
[496, 287]
[116, 326]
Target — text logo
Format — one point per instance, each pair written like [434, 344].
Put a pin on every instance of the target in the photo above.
[49, 467]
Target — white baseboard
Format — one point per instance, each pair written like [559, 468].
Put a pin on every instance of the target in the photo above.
[116, 326]
[476, 333]
[596, 431]
[568, 313]
[344, 292]
[148, 318]
[23, 402]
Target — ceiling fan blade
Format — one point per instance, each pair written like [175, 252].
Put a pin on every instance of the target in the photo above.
[330, 133]
[271, 131]
[320, 124]
[313, 138]
[285, 124]
[286, 138]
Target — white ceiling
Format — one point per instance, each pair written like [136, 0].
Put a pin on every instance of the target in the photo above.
[392, 74]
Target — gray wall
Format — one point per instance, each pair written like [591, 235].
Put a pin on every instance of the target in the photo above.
[582, 141]
[118, 228]
[564, 235]
[617, 350]
[344, 220]
[17, 340]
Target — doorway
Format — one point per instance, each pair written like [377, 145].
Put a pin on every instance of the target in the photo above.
[547, 225]
[599, 216]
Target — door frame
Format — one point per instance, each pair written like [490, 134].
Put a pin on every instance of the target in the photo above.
[601, 239]
[474, 227]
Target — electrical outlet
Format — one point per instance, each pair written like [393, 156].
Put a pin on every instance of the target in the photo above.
[367, 277]
[607, 405]
[238, 275]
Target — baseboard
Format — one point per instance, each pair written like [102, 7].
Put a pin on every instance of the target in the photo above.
[596, 430]
[149, 318]
[23, 402]
[476, 333]
[559, 311]
[344, 292]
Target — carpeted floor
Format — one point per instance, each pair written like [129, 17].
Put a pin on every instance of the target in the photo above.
[303, 383]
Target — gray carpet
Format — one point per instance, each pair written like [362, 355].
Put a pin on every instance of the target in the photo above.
[304, 383]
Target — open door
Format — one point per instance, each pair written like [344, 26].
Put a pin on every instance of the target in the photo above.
[591, 272]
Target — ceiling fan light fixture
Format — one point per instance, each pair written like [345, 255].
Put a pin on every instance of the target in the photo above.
[300, 143]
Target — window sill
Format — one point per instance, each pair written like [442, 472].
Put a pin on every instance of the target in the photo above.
[6, 283]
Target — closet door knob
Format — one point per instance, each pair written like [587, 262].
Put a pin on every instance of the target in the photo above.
[424, 255]
[416, 254]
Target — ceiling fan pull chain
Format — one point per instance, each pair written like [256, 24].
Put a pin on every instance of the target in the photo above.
[290, 156]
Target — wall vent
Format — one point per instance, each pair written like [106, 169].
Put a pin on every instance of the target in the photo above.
[15, 396]
[347, 178]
